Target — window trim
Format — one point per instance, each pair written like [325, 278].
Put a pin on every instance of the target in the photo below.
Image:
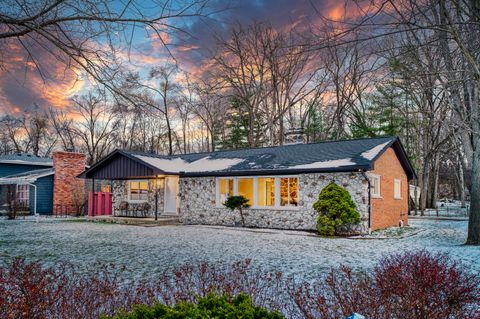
[372, 193]
[26, 191]
[255, 191]
[217, 189]
[255, 178]
[399, 190]
[129, 193]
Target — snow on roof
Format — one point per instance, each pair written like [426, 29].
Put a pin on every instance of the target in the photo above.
[26, 159]
[177, 165]
[327, 164]
[26, 177]
[373, 152]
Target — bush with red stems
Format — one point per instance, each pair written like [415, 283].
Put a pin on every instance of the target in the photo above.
[408, 285]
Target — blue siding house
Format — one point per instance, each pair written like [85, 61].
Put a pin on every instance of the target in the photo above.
[33, 179]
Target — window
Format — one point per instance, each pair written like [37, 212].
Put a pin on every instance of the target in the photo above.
[245, 189]
[266, 191]
[261, 192]
[23, 193]
[138, 190]
[397, 189]
[288, 191]
[225, 189]
[375, 185]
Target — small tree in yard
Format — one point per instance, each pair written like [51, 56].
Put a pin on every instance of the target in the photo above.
[237, 202]
[335, 208]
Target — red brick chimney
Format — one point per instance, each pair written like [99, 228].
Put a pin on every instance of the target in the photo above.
[67, 188]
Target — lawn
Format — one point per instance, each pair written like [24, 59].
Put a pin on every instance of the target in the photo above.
[147, 251]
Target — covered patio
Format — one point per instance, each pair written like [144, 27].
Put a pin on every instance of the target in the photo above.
[139, 189]
[22, 191]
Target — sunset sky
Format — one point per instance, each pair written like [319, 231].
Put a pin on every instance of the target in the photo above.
[21, 86]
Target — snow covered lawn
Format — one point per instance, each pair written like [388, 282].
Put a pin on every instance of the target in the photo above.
[146, 251]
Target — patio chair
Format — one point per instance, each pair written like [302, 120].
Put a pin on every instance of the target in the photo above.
[123, 207]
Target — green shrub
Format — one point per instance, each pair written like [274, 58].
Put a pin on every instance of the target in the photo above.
[237, 202]
[335, 208]
[211, 306]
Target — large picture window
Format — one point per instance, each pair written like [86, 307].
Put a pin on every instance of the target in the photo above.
[261, 192]
[138, 190]
[288, 191]
[245, 189]
[226, 189]
[266, 191]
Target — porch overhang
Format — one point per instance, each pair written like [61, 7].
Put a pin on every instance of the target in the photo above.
[120, 165]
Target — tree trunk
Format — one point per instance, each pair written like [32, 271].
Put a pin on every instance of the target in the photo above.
[434, 186]
[241, 216]
[474, 219]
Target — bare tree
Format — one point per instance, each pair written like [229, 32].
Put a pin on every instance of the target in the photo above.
[63, 125]
[83, 34]
[95, 127]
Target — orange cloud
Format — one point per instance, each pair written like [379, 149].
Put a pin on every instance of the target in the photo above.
[22, 83]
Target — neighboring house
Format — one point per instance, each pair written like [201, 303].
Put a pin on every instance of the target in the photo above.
[281, 183]
[41, 184]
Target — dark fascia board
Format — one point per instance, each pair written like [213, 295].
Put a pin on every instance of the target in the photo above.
[268, 172]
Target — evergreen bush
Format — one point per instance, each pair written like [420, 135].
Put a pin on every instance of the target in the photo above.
[237, 202]
[335, 208]
[211, 306]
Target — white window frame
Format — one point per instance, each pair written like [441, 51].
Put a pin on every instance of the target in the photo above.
[372, 188]
[255, 191]
[398, 182]
[217, 189]
[25, 190]
[129, 193]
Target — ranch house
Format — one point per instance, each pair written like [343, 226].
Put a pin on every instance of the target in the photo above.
[281, 183]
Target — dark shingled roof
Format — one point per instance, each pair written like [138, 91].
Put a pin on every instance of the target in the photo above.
[332, 156]
[26, 159]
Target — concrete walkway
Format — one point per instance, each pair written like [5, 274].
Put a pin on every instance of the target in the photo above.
[136, 221]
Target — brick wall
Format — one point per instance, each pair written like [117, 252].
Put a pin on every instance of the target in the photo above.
[388, 211]
[67, 188]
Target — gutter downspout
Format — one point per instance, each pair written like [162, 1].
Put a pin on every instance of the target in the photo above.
[34, 201]
[369, 201]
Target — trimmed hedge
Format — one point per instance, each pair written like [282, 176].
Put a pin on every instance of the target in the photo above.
[211, 306]
[335, 208]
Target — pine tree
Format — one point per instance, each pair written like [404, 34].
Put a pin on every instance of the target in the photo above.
[237, 129]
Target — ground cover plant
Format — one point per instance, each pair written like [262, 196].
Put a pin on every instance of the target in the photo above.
[409, 285]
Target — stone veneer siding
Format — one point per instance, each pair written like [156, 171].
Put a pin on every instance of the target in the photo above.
[120, 194]
[198, 203]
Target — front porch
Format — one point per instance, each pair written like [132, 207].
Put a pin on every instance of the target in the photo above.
[145, 197]
[138, 189]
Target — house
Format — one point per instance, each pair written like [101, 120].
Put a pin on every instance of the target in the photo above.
[41, 185]
[281, 183]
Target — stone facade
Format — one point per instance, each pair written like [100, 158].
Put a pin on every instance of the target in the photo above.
[120, 194]
[68, 190]
[198, 203]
